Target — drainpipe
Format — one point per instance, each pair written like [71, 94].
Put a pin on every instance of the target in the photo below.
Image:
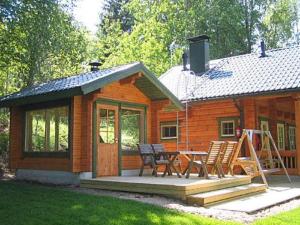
[242, 120]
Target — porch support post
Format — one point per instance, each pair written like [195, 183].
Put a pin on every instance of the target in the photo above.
[250, 116]
[297, 121]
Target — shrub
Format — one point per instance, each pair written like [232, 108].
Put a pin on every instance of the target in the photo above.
[3, 150]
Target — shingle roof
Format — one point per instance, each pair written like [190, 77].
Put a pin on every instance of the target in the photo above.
[236, 76]
[85, 83]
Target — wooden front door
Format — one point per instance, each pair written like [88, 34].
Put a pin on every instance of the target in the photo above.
[107, 139]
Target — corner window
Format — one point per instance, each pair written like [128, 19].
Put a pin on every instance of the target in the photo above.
[169, 130]
[280, 136]
[292, 137]
[227, 128]
[47, 130]
[132, 128]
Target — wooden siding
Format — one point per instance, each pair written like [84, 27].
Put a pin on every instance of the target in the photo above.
[81, 131]
[122, 91]
[202, 123]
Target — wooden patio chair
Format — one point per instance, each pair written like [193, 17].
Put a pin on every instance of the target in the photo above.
[229, 150]
[158, 148]
[148, 159]
[212, 159]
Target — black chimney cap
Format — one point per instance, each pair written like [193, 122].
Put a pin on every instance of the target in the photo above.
[95, 65]
[198, 38]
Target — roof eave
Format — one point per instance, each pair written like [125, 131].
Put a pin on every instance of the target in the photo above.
[245, 95]
[51, 96]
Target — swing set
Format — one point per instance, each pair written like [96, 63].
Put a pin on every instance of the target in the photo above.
[259, 164]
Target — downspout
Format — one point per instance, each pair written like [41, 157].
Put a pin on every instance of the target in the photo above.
[242, 120]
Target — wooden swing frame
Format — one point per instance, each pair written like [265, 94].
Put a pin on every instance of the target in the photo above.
[253, 162]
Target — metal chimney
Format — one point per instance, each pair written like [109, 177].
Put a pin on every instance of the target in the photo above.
[184, 61]
[199, 53]
[95, 65]
[263, 49]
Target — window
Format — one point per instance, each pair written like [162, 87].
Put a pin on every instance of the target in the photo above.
[169, 130]
[47, 130]
[227, 128]
[292, 137]
[280, 136]
[107, 126]
[132, 128]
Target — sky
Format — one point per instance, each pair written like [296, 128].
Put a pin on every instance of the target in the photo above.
[87, 13]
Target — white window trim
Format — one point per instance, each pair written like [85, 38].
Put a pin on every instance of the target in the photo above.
[281, 125]
[168, 125]
[227, 121]
[292, 128]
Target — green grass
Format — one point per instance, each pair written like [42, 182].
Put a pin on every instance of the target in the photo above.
[287, 218]
[22, 203]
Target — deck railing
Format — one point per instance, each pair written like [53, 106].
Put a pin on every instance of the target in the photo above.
[289, 159]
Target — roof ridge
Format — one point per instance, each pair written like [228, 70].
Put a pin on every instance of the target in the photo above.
[89, 72]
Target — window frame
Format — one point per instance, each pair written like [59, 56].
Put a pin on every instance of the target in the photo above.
[45, 106]
[169, 124]
[278, 126]
[142, 136]
[289, 136]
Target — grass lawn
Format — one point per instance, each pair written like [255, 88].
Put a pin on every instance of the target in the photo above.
[22, 203]
[33, 204]
[287, 218]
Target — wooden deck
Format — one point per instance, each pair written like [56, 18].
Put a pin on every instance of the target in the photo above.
[168, 186]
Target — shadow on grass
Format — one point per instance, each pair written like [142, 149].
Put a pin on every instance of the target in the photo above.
[22, 203]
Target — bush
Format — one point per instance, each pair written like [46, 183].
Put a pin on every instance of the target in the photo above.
[3, 150]
[3, 142]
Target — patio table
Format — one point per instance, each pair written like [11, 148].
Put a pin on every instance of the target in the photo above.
[190, 156]
[171, 157]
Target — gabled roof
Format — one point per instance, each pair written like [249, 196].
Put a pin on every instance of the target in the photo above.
[242, 75]
[85, 83]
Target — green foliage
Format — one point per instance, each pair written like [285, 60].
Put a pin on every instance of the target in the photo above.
[131, 128]
[22, 203]
[278, 23]
[3, 142]
[39, 40]
[160, 28]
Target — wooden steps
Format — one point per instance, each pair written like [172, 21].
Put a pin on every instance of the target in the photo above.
[224, 194]
[169, 186]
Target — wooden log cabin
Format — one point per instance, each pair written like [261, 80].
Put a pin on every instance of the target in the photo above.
[88, 125]
[83, 126]
[252, 91]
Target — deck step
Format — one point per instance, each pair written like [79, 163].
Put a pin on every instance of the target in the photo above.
[224, 194]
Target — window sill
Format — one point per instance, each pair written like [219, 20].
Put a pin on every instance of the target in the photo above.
[168, 139]
[46, 154]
